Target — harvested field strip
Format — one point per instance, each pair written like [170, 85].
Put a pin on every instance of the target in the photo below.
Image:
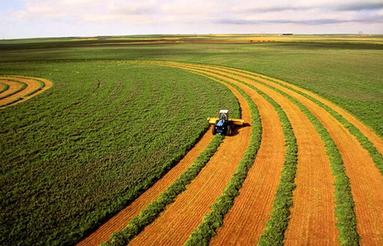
[370, 134]
[214, 219]
[14, 87]
[180, 218]
[368, 139]
[369, 216]
[4, 87]
[151, 212]
[344, 208]
[21, 88]
[121, 219]
[346, 221]
[36, 89]
[245, 221]
[311, 154]
[288, 181]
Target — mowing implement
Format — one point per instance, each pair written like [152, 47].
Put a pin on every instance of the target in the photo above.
[223, 124]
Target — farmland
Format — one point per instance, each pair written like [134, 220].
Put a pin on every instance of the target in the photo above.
[119, 144]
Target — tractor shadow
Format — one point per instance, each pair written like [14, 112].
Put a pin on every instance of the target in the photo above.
[235, 129]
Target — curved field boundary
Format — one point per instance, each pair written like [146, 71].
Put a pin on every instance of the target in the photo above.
[122, 219]
[21, 88]
[365, 180]
[367, 138]
[179, 219]
[313, 170]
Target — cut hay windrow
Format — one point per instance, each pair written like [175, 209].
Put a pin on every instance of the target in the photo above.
[150, 213]
[22, 87]
[29, 88]
[367, 143]
[344, 205]
[283, 199]
[195, 202]
[346, 219]
[214, 219]
[4, 87]
[76, 156]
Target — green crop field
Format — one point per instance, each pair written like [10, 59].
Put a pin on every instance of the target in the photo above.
[96, 140]
[110, 127]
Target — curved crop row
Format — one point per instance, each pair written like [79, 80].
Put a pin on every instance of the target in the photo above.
[29, 87]
[276, 226]
[278, 221]
[22, 87]
[40, 87]
[344, 203]
[345, 214]
[283, 198]
[364, 141]
[282, 203]
[214, 218]
[4, 87]
[195, 202]
[146, 216]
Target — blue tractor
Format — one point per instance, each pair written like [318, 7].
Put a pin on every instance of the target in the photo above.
[223, 125]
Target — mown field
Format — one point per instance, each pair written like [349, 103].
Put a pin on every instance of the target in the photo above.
[107, 130]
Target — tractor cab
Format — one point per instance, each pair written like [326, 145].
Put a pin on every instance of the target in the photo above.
[223, 114]
[223, 125]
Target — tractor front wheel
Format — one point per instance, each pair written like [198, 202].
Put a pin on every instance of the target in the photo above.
[213, 130]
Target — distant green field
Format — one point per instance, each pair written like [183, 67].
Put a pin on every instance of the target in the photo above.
[82, 150]
[348, 72]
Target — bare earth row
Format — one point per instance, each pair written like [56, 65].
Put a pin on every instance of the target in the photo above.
[16, 89]
[312, 215]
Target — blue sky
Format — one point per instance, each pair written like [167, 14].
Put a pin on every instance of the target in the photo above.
[48, 18]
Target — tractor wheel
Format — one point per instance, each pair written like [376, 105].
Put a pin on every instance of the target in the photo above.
[213, 130]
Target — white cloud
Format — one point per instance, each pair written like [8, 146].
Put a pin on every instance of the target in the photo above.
[200, 16]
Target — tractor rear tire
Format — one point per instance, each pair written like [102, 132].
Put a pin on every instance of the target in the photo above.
[213, 130]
